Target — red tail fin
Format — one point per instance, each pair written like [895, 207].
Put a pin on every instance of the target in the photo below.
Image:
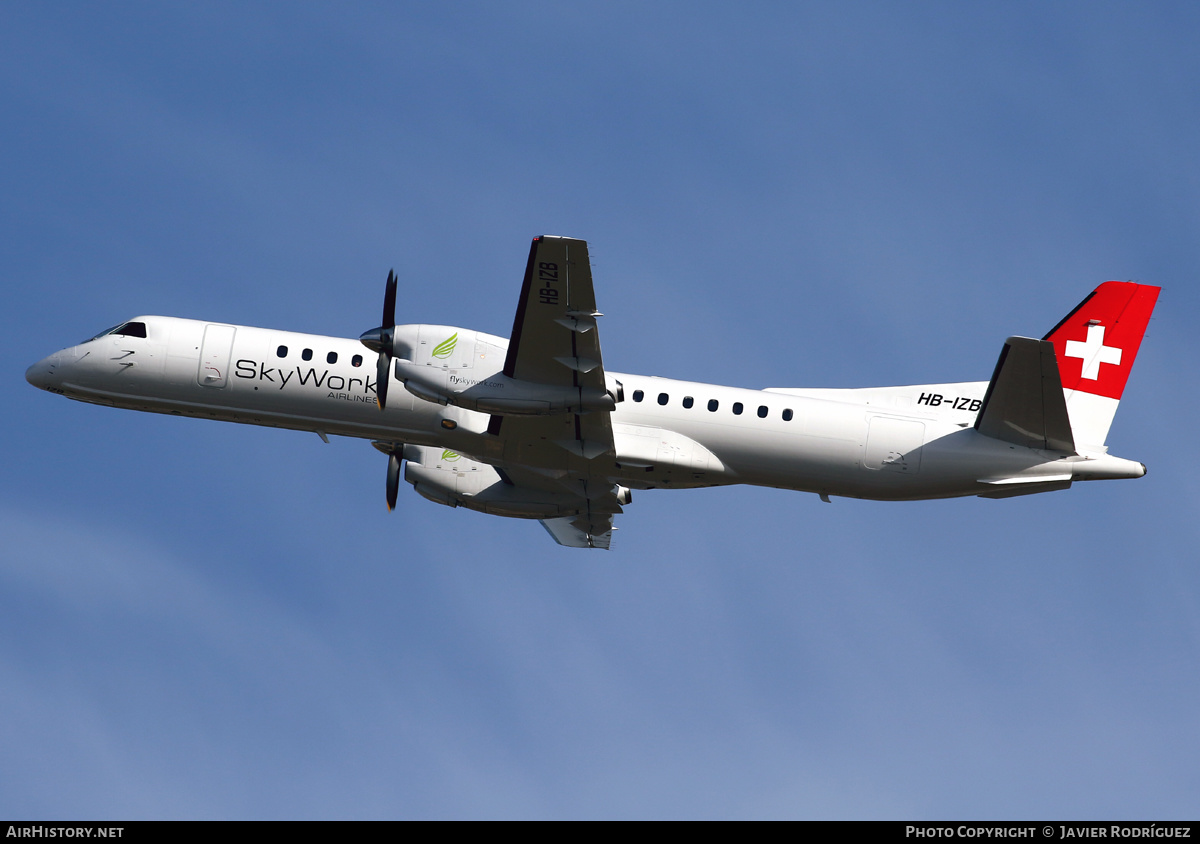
[1097, 342]
[1095, 346]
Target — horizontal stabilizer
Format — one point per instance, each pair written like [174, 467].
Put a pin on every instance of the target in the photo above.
[1024, 404]
[1026, 486]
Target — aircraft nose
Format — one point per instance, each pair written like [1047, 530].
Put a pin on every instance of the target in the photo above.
[42, 373]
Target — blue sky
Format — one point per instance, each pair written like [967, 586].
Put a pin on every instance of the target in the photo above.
[210, 620]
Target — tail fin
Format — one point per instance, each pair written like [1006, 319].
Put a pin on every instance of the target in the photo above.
[1096, 345]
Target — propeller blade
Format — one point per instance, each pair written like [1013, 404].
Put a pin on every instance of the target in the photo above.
[389, 301]
[382, 376]
[393, 480]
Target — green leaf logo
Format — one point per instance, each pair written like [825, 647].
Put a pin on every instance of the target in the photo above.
[449, 456]
[446, 347]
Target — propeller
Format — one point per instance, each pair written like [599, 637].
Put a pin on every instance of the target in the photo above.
[380, 340]
[395, 454]
[393, 480]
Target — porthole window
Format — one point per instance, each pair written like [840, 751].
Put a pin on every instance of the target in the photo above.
[787, 415]
[688, 401]
[713, 404]
[331, 357]
[762, 411]
[306, 354]
[281, 351]
[356, 360]
[638, 395]
[737, 408]
[663, 398]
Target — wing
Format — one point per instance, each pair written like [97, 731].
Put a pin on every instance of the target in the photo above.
[579, 532]
[576, 511]
[554, 338]
[555, 341]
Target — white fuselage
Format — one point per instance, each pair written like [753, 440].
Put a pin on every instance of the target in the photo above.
[884, 443]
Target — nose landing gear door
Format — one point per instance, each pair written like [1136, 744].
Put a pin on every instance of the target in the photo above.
[215, 354]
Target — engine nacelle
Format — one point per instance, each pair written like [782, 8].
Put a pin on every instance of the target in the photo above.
[497, 393]
[448, 365]
[448, 478]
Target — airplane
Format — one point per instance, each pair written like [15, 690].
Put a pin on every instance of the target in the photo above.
[534, 427]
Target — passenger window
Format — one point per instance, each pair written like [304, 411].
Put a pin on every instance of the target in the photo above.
[356, 360]
[663, 398]
[787, 415]
[306, 354]
[737, 408]
[762, 411]
[281, 351]
[713, 404]
[638, 395]
[331, 357]
[688, 401]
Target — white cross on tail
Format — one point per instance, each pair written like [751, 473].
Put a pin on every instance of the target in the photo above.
[1093, 352]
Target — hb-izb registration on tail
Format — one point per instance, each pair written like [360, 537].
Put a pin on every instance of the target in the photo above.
[533, 426]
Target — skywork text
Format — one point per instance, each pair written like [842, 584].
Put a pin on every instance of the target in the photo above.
[253, 370]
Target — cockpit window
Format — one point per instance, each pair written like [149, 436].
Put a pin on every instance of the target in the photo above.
[102, 334]
[131, 329]
[127, 329]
